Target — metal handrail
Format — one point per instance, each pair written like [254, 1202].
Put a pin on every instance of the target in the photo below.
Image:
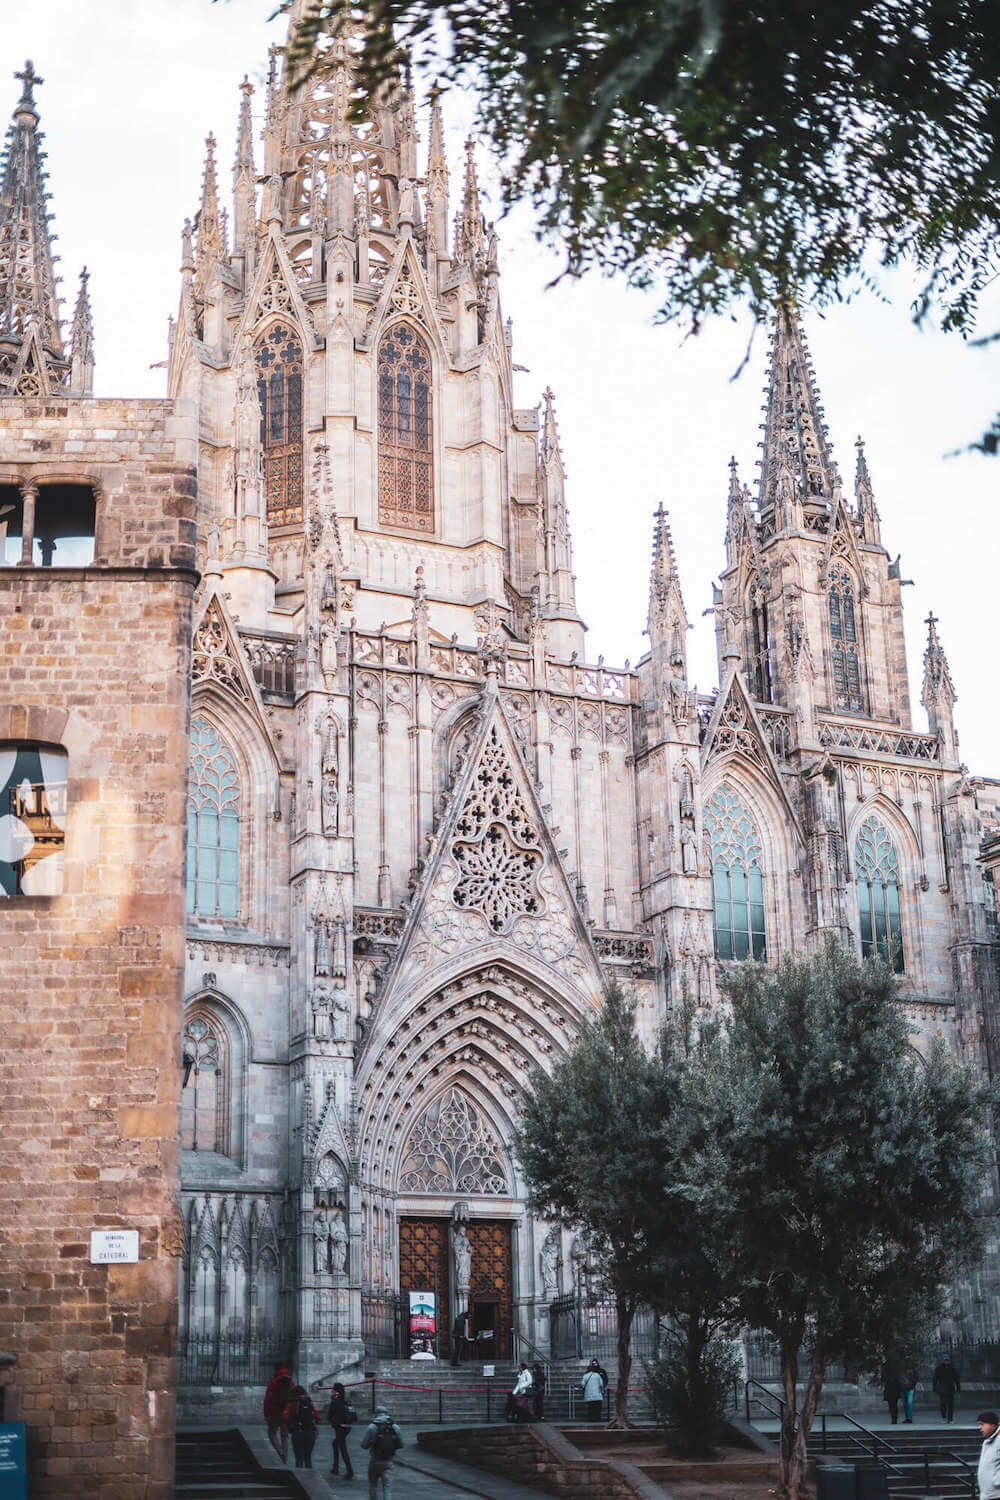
[876, 1440]
[769, 1395]
[540, 1358]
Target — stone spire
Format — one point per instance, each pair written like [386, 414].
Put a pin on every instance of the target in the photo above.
[555, 582]
[667, 621]
[865, 498]
[32, 358]
[795, 443]
[437, 188]
[469, 233]
[938, 695]
[82, 341]
[244, 196]
[211, 247]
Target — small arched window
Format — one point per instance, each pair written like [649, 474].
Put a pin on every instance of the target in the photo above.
[278, 360]
[877, 868]
[844, 642]
[737, 877]
[205, 1116]
[405, 436]
[761, 647]
[213, 825]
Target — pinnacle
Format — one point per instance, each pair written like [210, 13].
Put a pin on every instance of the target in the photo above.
[795, 434]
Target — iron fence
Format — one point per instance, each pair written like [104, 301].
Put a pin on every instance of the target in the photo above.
[974, 1359]
[581, 1329]
[382, 1326]
[205, 1360]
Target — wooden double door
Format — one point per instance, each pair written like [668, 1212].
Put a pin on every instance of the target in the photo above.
[425, 1265]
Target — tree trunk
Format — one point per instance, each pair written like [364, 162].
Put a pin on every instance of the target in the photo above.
[625, 1309]
[794, 1457]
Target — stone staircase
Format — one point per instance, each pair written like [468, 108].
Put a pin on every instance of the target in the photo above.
[920, 1462]
[423, 1391]
[220, 1466]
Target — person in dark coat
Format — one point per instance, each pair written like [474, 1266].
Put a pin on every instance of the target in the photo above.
[302, 1421]
[459, 1337]
[891, 1390]
[538, 1391]
[340, 1421]
[947, 1384]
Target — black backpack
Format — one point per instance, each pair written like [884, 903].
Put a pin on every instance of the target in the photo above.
[303, 1416]
[385, 1442]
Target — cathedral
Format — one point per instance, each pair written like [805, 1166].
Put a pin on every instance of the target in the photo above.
[425, 824]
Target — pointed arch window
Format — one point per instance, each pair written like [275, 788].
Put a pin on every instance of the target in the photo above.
[761, 646]
[213, 825]
[205, 1096]
[278, 361]
[877, 869]
[405, 434]
[842, 606]
[737, 877]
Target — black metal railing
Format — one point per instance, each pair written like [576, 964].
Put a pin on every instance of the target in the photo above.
[581, 1329]
[204, 1360]
[382, 1325]
[974, 1360]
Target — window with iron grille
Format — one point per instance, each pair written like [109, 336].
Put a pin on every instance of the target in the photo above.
[278, 360]
[877, 868]
[737, 877]
[405, 436]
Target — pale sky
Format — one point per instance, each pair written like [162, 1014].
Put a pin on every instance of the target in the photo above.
[131, 91]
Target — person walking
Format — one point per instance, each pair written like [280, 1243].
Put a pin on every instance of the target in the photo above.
[891, 1389]
[538, 1391]
[592, 1386]
[302, 1420]
[381, 1442]
[989, 1456]
[279, 1388]
[947, 1385]
[908, 1384]
[341, 1415]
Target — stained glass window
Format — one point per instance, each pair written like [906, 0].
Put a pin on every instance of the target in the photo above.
[405, 437]
[844, 643]
[737, 878]
[877, 868]
[278, 358]
[213, 825]
[204, 1098]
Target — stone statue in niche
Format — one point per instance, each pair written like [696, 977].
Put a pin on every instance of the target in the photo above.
[321, 1243]
[463, 1258]
[322, 1012]
[328, 647]
[550, 1260]
[322, 960]
[338, 1242]
[340, 1012]
[330, 802]
[689, 850]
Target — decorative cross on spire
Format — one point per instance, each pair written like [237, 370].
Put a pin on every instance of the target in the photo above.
[29, 78]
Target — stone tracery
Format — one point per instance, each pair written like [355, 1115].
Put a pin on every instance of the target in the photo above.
[452, 1149]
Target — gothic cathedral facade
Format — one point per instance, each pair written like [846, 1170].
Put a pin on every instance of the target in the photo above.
[423, 829]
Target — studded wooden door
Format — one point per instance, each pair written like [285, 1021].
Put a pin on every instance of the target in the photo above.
[423, 1267]
[491, 1294]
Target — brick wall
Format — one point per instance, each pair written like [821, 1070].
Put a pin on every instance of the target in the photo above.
[97, 660]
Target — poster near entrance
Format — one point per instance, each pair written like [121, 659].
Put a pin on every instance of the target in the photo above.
[423, 1325]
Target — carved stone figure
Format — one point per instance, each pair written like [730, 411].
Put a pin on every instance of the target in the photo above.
[463, 1258]
[330, 802]
[321, 1243]
[689, 849]
[322, 962]
[322, 1011]
[338, 1242]
[339, 955]
[340, 1011]
[328, 647]
[550, 1261]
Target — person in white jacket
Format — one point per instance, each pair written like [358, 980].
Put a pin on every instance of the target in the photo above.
[519, 1400]
[989, 1456]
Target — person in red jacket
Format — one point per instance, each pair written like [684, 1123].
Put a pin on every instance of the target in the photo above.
[279, 1389]
[302, 1421]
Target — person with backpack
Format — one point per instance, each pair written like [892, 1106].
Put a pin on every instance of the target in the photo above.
[302, 1419]
[342, 1416]
[382, 1441]
[592, 1390]
[279, 1388]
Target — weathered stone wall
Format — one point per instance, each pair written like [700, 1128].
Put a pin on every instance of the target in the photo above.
[541, 1457]
[97, 660]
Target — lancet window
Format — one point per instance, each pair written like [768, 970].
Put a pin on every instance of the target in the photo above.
[278, 360]
[737, 877]
[213, 825]
[844, 642]
[205, 1094]
[405, 435]
[761, 665]
[877, 871]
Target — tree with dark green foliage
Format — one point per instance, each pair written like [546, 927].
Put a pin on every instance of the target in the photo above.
[691, 1383]
[594, 1143]
[848, 1174]
[720, 153]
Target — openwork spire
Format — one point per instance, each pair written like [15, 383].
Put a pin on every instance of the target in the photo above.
[865, 496]
[437, 186]
[667, 621]
[244, 199]
[211, 222]
[82, 340]
[31, 349]
[795, 438]
[470, 236]
[938, 696]
[549, 437]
